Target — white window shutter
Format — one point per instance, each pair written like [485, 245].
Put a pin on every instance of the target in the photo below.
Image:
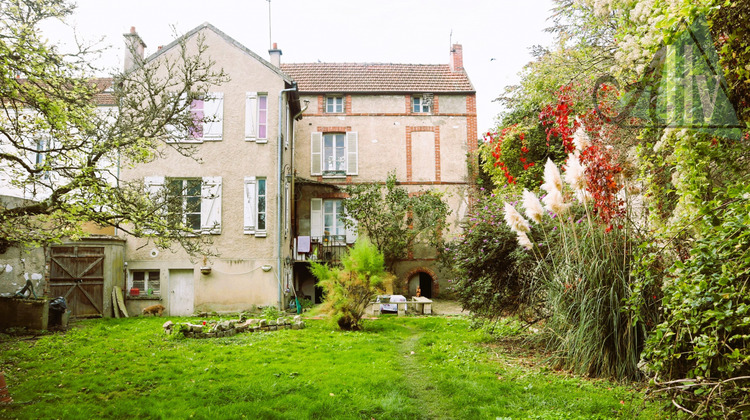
[251, 113]
[316, 153]
[211, 205]
[154, 185]
[352, 166]
[249, 197]
[351, 231]
[154, 188]
[213, 108]
[316, 217]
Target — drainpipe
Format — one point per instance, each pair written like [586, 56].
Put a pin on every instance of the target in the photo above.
[280, 191]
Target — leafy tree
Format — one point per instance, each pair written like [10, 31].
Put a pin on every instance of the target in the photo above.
[393, 219]
[349, 288]
[58, 145]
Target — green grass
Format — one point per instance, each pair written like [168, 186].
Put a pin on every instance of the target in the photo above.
[128, 368]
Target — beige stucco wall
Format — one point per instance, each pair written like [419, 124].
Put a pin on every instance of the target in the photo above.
[234, 283]
[378, 104]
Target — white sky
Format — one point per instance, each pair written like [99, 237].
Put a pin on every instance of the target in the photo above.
[382, 31]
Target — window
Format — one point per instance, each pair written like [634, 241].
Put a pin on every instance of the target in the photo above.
[194, 202]
[261, 204]
[327, 222]
[207, 114]
[333, 218]
[335, 104]
[334, 154]
[146, 281]
[421, 104]
[256, 201]
[184, 202]
[256, 117]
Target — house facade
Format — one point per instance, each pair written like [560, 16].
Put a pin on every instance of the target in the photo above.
[235, 190]
[363, 121]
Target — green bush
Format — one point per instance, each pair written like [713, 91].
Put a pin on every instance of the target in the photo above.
[701, 352]
[349, 288]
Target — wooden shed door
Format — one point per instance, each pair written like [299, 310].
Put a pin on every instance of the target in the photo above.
[77, 273]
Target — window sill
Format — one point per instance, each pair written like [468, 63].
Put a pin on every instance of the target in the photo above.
[144, 297]
[257, 234]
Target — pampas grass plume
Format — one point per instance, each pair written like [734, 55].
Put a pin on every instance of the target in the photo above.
[552, 180]
[575, 173]
[533, 206]
[523, 240]
[514, 219]
[554, 202]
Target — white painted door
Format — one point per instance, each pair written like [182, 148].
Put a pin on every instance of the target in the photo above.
[181, 292]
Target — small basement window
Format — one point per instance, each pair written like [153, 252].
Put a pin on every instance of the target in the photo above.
[144, 283]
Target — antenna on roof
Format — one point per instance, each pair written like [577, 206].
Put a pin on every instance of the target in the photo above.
[270, 45]
[450, 39]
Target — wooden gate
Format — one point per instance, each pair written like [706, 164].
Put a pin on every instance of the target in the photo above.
[77, 273]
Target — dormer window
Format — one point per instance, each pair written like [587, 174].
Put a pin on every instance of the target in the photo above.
[334, 104]
[421, 104]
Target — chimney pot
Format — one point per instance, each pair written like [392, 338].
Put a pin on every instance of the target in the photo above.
[132, 29]
[275, 55]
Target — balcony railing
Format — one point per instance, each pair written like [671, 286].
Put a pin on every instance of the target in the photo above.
[329, 248]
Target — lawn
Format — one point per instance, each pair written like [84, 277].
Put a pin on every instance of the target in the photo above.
[398, 368]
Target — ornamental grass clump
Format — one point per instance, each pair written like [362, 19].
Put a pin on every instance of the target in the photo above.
[583, 277]
[349, 288]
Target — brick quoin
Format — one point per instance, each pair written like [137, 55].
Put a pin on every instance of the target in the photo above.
[408, 104]
[435, 104]
[348, 105]
[321, 104]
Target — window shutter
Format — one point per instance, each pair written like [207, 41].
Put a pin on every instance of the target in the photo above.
[316, 153]
[211, 205]
[251, 111]
[154, 188]
[351, 231]
[154, 185]
[249, 216]
[213, 109]
[352, 166]
[316, 217]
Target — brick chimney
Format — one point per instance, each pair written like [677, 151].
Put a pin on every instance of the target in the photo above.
[275, 54]
[134, 48]
[457, 58]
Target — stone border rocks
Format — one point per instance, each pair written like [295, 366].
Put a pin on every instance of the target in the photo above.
[217, 329]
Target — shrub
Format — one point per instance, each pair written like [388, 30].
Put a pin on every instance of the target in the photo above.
[700, 354]
[349, 288]
[490, 271]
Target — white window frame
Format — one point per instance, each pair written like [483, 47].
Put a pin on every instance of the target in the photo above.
[212, 108]
[335, 104]
[318, 224]
[253, 200]
[209, 210]
[419, 105]
[146, 281]
[184, 213]
[256, 117]
[320, 163]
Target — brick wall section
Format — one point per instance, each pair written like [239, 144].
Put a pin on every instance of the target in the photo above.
[348, 105]
[471, 122]
[408, 104]
[321, 104]
[334, 129]
[410, 130]
[435, 104]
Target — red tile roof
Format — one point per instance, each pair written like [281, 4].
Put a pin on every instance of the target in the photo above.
[373, 77]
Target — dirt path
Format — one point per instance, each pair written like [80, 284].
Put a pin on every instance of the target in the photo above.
[421, 388]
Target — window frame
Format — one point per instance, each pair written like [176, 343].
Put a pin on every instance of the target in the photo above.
[336, 154]
[335, 104]
[146, 281]
[261, 213]
[419, 105]
[184, 199]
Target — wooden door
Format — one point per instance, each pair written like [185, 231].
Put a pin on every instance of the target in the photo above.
[77, 273]
[181, 292]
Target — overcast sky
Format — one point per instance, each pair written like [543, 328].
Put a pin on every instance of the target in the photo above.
[496, 34]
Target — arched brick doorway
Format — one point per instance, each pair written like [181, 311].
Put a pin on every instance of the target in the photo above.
[425, 279]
